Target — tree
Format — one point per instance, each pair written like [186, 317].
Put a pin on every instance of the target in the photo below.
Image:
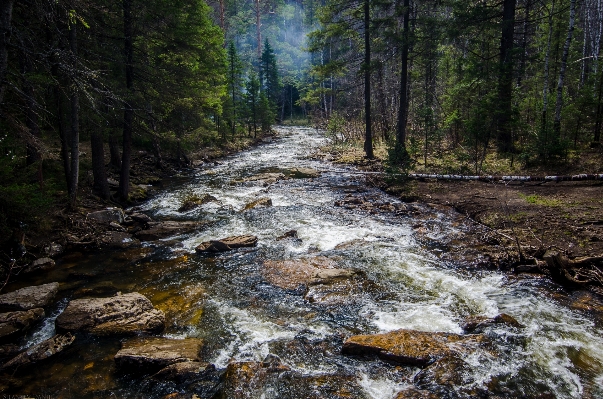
[505, 77]
[252, 99]
[234, 82]
[270, 82]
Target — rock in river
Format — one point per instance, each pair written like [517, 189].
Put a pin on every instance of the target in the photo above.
[107, 215]
[40, 352]
[15, 323]
[260, 202]
[416, 348]
[153, 353]
[130, 313]
[184, 371]
[228, 243]
[30, 297]
[159, 230]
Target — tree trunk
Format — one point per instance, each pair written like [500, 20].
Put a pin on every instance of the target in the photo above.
[368, 139]
[6, 12]
[101, 187]
[400, 147]
[115, 160]
[258, 25]
[560, 82]
[124, 177]
[599, 116]
[505, 78]
[31, 113]
[75, 120]
[545, 89]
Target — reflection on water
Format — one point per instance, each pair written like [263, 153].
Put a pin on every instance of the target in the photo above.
[225, 300]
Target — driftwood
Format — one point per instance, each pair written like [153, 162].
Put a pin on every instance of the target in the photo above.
[584, 272]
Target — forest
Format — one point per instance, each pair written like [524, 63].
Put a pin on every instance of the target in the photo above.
[517, 78]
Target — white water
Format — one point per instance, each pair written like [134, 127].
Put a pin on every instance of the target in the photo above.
[423, 293]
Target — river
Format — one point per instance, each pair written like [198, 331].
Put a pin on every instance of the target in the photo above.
[409, 282]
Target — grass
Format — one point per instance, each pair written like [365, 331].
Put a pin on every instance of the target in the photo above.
[541, 201]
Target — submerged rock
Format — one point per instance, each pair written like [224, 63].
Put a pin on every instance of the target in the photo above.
[415, 348]
[27, 298]
[39, 264]
[184, 372]
[265, 178]
[122, 314]
[412, 393]
[13, 324]
[290, 274]
[288, 234]
[40, 352]
[449, 371]
[477, 324]
[302, 173]
[117, 239]
[227, 244]
[261, 202]
[144, 355]
[159, 230]
[248, 379]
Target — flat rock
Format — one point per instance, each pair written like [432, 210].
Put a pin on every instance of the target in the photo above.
[302, 173]
[130, 313]
[159, 230]
[416, 348]
[27, 298]
[291, 274]
[184, 371]
[266, 178]
[39, 265]
[260, 202]
[412, 393]
[153, 354]
[16, 323]
[40, 352]
[117, 239]
[227, 244]
[107, 215]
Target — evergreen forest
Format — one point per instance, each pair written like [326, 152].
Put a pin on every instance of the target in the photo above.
[85, 84]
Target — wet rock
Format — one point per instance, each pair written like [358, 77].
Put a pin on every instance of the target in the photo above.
[40, 352]
[104, 288]
[412, 393]
[265, 178]
[8, 351]
[27, 298]
[416, 348]
[116, 226]
[584, 300]
[302, 173]
[227, 244]
[53, 249]
[159, 230]
[141, 218]
[184, 372]
[333, 386]
[39, 265]
[288, 234]
[477, 324]
[13, 324]
[122, 314]
[107, 215]
[329, 276]
[261, 202]
[195, 202]
[248, 379]
[290, 274]
[450, 371]
[117, 239]
[150, 355]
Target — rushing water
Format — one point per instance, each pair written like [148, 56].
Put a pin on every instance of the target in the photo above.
[225, 299]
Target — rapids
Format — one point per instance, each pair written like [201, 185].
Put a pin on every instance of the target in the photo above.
[225, 300]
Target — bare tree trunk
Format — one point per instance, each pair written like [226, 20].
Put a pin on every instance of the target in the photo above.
[75, 121]
[222, 20]
[400, 148]
[258, 25]
[98, 165]
[124, 177]
[115, 160]
[545, 89]
[6, 13]
[560, 82]
[368, 139]
[505, 77]
[31, 113]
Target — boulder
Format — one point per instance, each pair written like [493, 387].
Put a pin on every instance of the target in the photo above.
[107, 215]
[130, 313]
[228, 243]
[27, 298]
[39, 352]
[184, 371]
[248, 379]
[477, 324]
[196, 201]
[415, 348]
[288, 234]
[159, 230]
[261, 202]
[151, 354]
[450, 371]
[290, 274]
[53, 249]
[265, 178]
[141, 218]
[117, 239]
[39, 265]
[16, 323]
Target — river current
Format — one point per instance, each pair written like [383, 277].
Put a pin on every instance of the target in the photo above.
[225, 299]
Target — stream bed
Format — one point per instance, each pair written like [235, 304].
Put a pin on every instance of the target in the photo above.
[411, 278]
